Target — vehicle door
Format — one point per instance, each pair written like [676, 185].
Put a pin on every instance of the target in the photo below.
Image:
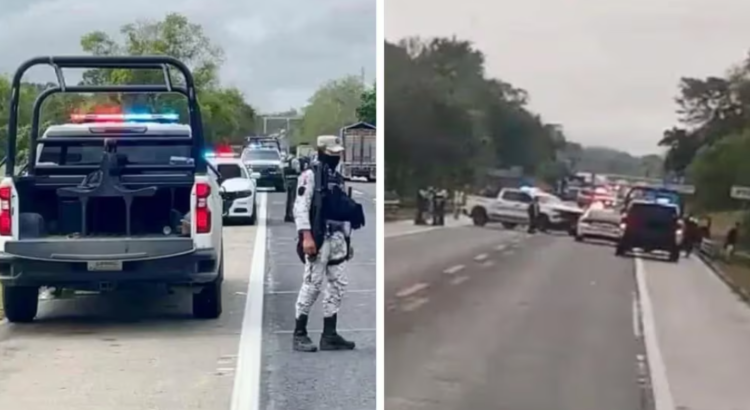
[513, 205]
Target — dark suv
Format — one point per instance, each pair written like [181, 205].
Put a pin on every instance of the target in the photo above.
[650, 226]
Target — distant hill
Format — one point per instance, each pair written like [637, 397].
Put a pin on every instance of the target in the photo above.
[611, 161]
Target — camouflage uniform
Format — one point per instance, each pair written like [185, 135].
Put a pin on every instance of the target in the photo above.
[334, 248]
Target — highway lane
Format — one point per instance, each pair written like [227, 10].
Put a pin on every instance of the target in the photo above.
[323, 380]
[487, 318]
[129, 350]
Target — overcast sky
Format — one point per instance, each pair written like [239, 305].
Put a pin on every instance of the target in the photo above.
[607, 70]
[278, 51]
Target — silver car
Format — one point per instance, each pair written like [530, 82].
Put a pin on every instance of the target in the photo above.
[599, 223]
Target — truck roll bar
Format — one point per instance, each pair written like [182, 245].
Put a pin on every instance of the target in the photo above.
[92, 62]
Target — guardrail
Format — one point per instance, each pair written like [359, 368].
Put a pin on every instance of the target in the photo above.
[391, 208]
[710, 248]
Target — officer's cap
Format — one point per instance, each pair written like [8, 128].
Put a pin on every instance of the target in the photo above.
[330, 143]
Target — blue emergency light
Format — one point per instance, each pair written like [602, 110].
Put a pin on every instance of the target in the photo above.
[133, 117]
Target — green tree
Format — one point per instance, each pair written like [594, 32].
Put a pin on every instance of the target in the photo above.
[447, 123]
[332, 107]
[367, 110]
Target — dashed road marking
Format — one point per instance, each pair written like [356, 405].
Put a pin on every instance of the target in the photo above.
[636, 317]
[414, 304]
[501, 247]
[480, 257]
[459, 280]
[488, 264]
[412, 290]
[453, 269]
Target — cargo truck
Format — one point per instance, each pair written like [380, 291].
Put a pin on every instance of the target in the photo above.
[359, 151]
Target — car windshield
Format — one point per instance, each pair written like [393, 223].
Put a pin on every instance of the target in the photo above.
[652, 212]
[228, 171]
[263, 155]
[146, 154]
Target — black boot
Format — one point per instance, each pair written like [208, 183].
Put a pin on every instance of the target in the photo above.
[302, 342]
[330, 340]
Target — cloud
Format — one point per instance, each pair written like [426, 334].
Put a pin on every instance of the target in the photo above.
[608, 71]
[277, 52]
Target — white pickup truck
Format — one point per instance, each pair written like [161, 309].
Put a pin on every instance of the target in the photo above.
[510, 208]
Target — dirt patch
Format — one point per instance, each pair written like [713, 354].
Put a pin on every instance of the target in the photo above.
[737, 270]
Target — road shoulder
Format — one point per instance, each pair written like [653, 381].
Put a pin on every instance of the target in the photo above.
[703, 330]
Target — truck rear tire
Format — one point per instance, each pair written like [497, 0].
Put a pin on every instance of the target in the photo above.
[20, 303]
[207, 303]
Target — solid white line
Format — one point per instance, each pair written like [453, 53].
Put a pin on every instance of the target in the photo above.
[659, 382]
[246, 392]
[453, 269]
[411, 290]
[480, 257]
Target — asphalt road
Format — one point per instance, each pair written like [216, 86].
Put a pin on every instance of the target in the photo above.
[490, 318]
[322, 380]
[129, 350]
[143, 350]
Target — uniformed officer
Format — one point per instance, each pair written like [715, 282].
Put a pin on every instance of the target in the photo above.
[323, 260]
[439, 198]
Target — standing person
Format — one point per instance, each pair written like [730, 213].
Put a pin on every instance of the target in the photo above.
[324, 216]
[731, 240]
[691, 236]
[534, 212]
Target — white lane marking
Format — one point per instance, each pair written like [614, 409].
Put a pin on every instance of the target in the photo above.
[459, 280]
[480, 257]
[246, 391]
[411, 289]
[636, 317]
[659, 382]
[501, 247]
[488, 264]
[294, 292]
[453, 269]
[358, 193]
[414, 305]
[410, 232]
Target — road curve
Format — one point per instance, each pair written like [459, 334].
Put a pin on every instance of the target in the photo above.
[488, 318]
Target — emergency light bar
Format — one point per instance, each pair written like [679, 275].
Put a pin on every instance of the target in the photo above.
[124, 117]
[221, 155]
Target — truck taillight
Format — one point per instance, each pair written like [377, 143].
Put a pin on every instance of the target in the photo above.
[6, 213]
[202, 212]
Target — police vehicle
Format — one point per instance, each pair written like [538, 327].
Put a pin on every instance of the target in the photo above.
[599, 222]
[110, 200]
[651, 225]
[238, 188]
[269, 163]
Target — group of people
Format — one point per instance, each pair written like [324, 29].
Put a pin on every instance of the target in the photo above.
[431, 201]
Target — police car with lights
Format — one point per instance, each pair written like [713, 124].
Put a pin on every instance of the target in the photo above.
[111, 200]
[269, 163]
[238, 187]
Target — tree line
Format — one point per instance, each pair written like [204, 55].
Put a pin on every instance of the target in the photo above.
[227, 116]
[447, 122]
[710, 144]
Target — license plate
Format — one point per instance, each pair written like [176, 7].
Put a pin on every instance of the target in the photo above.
[105, 265]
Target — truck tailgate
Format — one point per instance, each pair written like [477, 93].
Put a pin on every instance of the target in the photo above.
[102, 249]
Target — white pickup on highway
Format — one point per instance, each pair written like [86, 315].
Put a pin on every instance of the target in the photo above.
[510, 208]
